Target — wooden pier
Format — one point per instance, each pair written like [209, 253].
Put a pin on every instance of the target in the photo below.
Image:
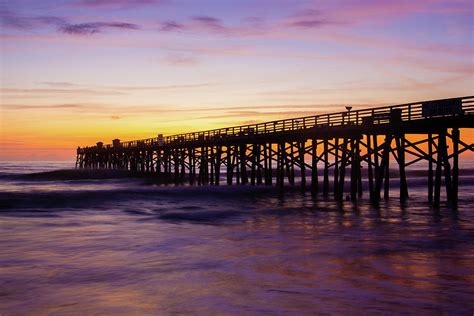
[332, 154]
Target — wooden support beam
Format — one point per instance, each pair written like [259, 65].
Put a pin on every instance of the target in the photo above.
[377, 157]
[437, 182]
[202, 166]
[281, 164]
[253, 166]
[354, 171]
[382, 169]
[342, 172]
[266, 162]
[169, 162]
[447, 167]
[258, 160]
[217, 164]
[230, 164]
[192, 165]
[386, 192]
[278, 161]
[290, 164]
[400, 140]
[243, 164]
[430, 168]
[455, 184]
[359, 168]
[314, 166]
[370, 172]
[202, 162]
[182, 153]
[146, 156]
[208, 160]
[271, 159]
[336, 167]
[297, 159]
[212, 161]
[326, 168]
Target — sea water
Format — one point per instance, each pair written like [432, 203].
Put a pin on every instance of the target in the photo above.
[78, 246]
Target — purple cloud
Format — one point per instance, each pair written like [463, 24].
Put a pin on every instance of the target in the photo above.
[200, 24]
[114, 3]
[209, 22]
[170, 26]
[213, 25]
[308, 19]
[95, 27]
[9, 21]
[308, 23]
[12, 20]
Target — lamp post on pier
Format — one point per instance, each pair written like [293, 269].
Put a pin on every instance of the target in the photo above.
[348, 108]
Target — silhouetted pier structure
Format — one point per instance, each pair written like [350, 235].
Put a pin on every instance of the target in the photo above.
[292, 150]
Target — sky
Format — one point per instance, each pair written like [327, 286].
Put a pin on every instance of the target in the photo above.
[74, 72]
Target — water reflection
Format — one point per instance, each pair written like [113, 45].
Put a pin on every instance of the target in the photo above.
[126, 248]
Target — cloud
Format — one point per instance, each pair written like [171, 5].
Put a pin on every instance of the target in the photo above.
[11, 20]
[41, 107]
[15, 21]
[209, 22]
[58, 84]
[259, 114]
[170, 26]
[168, 87]
[236, 109]
[308, 19]
[66, 89]
[115, 3]
[213, 25]
[230, 114]
[248, 26]
[95, 27]
[228, 111]
[128, 88]
[308, 23]
[33, 92]
[376, 11]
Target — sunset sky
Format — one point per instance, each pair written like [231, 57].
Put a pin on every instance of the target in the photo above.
[74, 72]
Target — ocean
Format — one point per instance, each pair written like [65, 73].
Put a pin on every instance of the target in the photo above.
[80, 245]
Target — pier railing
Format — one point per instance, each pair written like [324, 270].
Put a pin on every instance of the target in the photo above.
[364, 117]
